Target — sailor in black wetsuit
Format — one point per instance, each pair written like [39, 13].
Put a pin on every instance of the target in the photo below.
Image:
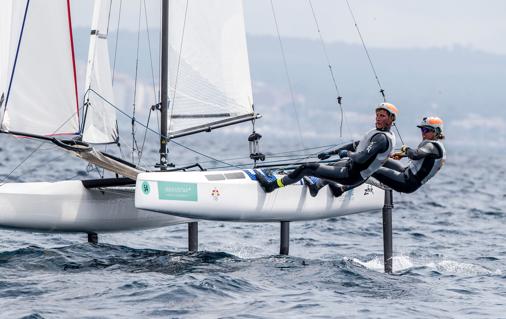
[425, 161]
[362, 158]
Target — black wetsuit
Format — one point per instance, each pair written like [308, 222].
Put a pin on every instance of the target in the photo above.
[430, 157]
[346, 171]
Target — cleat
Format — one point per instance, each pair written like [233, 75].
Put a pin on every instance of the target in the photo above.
[264, 183]
[313, 188]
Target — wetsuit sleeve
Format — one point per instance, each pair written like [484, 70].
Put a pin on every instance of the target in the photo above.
[348, 147]
[378, 144]
[429, 150]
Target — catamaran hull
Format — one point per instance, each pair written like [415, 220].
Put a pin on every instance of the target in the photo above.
[67, 206]
[236, 196]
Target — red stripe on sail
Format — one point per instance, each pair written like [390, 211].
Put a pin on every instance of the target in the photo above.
[73, 58]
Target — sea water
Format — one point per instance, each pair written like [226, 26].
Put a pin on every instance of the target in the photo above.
[449, 260]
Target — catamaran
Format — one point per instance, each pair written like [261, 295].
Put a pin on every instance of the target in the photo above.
[205, 85]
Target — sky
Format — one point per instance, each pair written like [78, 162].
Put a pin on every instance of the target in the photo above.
[383, 23]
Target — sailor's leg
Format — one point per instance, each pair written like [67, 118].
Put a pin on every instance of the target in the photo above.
[396, 180]
[337, 173]
[267, 186]
[310, 169]
[314, 184]
[393, 164]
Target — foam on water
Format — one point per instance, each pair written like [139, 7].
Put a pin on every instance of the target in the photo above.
[399, 263]
[454, 267]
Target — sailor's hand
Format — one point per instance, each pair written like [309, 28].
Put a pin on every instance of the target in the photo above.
[324, 155]
[397, 155]
[343, 153]
[404, 149]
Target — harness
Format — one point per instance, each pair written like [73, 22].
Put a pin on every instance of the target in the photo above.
[376, 162]
[425, 168]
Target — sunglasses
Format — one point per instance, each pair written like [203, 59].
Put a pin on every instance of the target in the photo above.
[426, 130]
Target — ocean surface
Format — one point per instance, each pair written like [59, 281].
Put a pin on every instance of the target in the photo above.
[449, 248]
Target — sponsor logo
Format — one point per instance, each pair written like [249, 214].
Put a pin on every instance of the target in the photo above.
[177, 191]
[215, 193]
[368, 190]
[369, 147]
[145, 188]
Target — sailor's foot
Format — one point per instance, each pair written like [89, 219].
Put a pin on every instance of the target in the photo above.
[313, 188]
[336, 190]
[266, 185]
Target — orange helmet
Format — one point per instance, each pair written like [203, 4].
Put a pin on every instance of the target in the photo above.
[432, 122]
[389, 107]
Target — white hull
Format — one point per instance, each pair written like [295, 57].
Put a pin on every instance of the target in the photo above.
[206, 195]
[67, 206]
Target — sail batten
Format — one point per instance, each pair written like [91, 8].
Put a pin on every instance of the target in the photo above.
[209, 73]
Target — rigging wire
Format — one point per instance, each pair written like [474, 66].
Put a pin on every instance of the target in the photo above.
[144, 139]
[116, 44]
[149, 48]
[134, 141]
[157, 133]
[211, 158]
[40, 145]
[339, 97]
[21, 163]
[287, 74]
[178, 64]
[140, 152]
[289, 154]
[382, 91]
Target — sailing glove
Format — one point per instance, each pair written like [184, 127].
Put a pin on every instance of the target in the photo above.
[343, 153]
[324, 155]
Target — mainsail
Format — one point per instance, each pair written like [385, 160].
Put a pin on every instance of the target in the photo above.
[208, 64]
[100, 118]
[40, 89]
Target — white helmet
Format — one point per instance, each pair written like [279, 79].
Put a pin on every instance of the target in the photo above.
[389, 107]
[432, 122]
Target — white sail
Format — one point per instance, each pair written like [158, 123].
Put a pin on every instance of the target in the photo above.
[208, 63]
[42, 90]
[11, 18]
[100, 117]
[5, 28]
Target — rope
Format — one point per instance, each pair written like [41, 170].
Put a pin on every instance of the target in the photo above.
[382, 91]
[287, 74]
[339, 97]
[116, 44]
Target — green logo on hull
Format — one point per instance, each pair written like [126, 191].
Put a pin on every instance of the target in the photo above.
[145, 188]
[177, 191]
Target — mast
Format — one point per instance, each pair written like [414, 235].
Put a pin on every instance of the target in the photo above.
[164, 84]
